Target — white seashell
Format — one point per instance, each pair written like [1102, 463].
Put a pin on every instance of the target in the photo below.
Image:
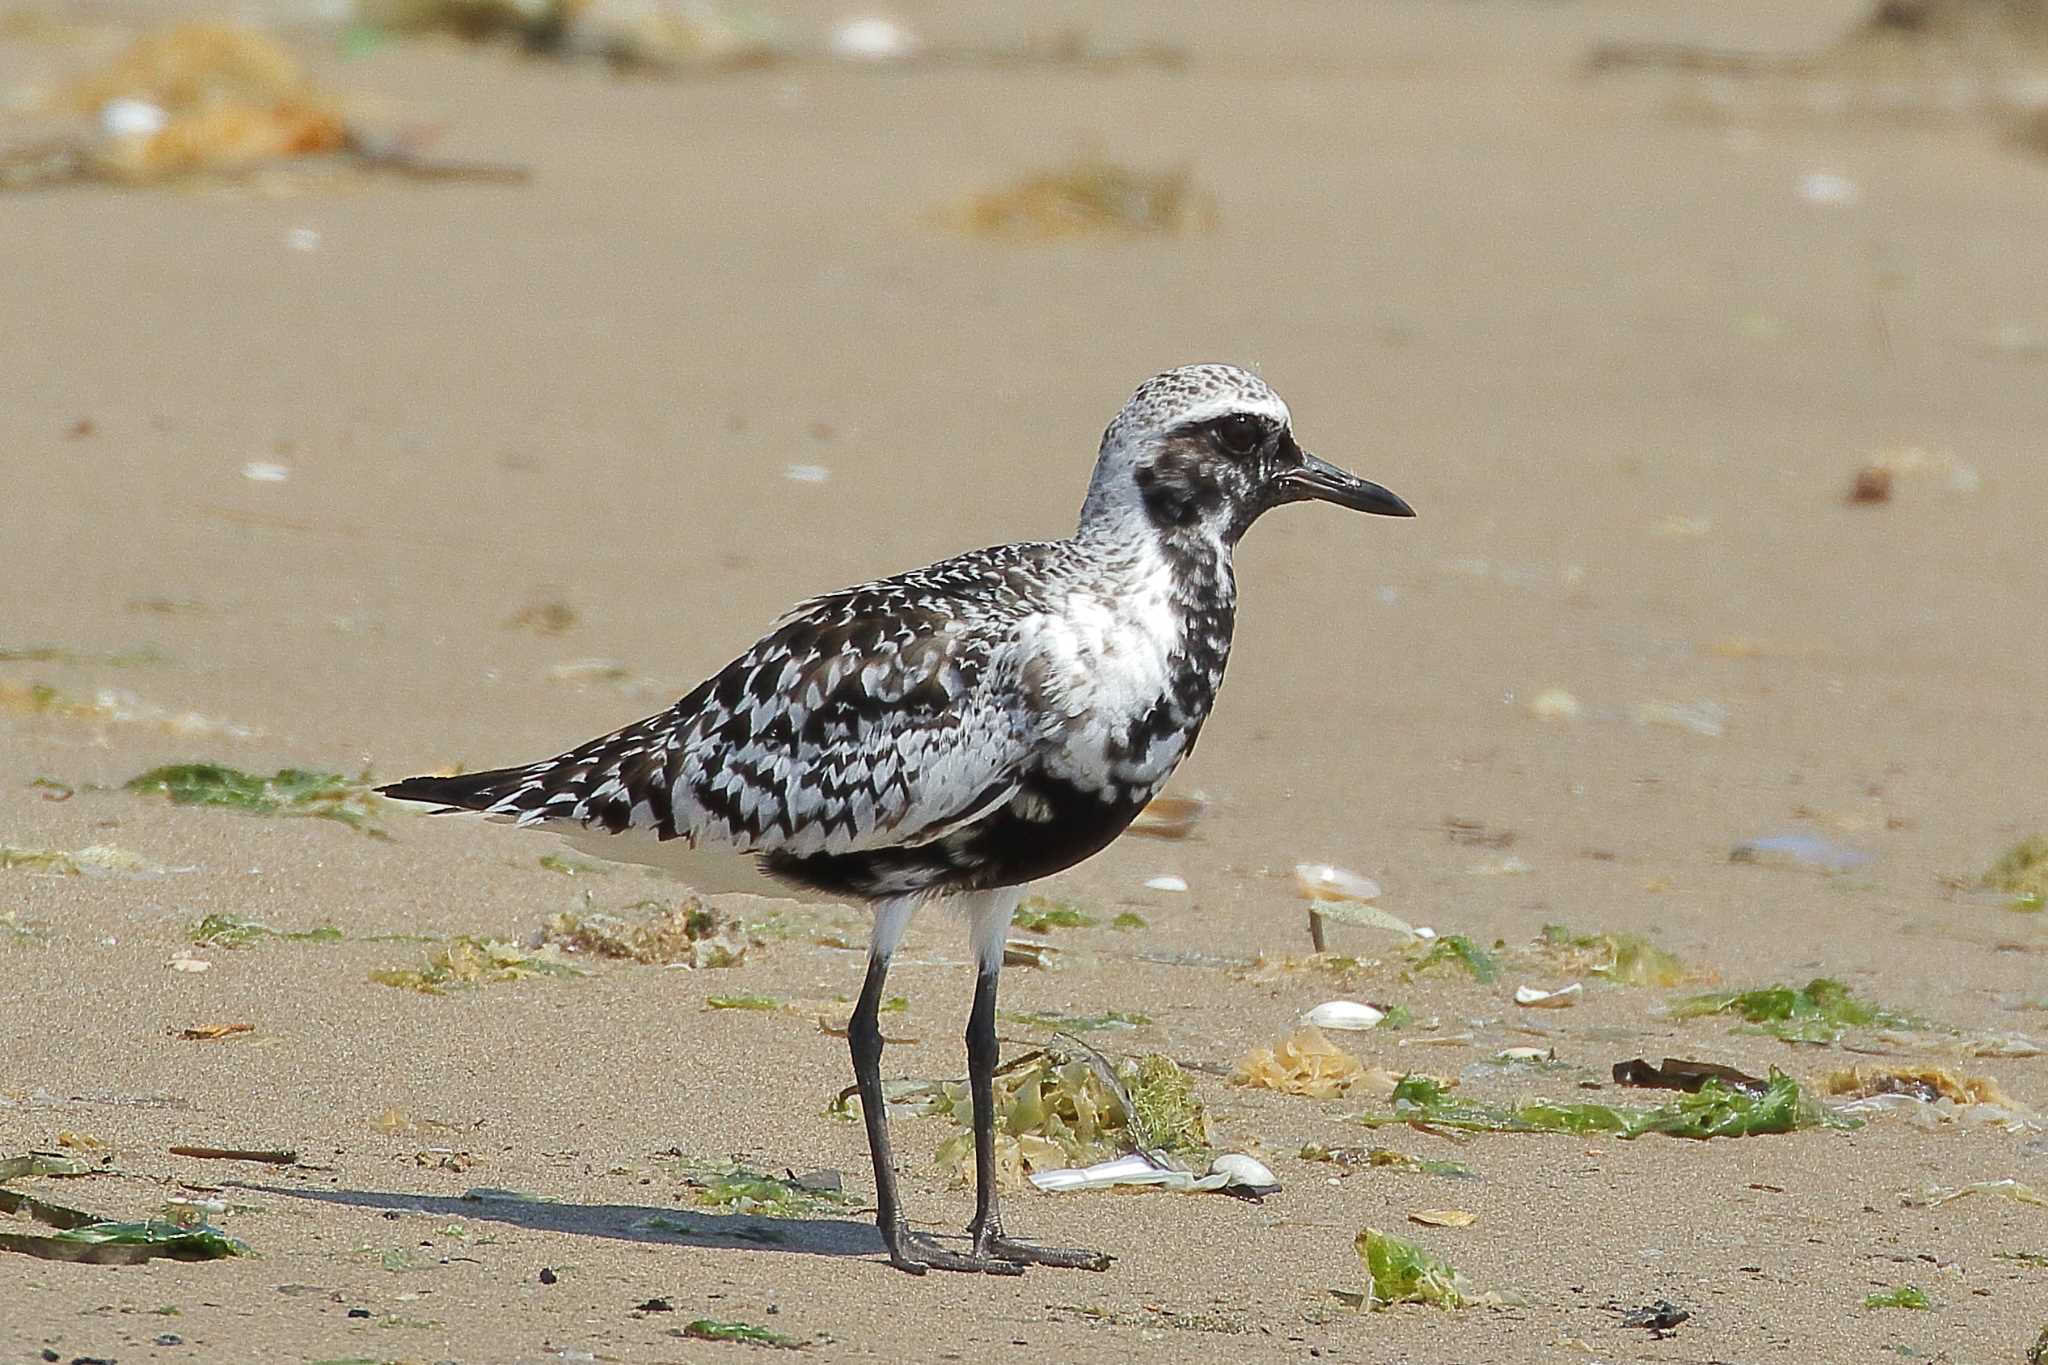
[189, 964]
[1548, 1000]
[1526, 1054]
[132, 118]
[1344, 1014]
[872, 39]
[1167, 883]
[807, 473]
[1555, 704]
[1239, 1169]
[1322, 882]
[263, 472]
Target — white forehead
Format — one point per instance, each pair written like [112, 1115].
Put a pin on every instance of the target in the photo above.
[1194, 393]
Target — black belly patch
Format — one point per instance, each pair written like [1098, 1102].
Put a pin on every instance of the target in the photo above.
[1048, 827]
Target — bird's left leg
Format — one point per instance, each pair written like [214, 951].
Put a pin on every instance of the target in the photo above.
[989, 923]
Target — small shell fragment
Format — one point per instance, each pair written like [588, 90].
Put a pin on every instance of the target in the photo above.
[188, 964]
[1344, 1014]
[1526, 1054]
[1554, 703]
[1170, 817]
[1443, 1218]
[1166, 883]
[1322, 882]
[1558, 999]
[1243, 1172]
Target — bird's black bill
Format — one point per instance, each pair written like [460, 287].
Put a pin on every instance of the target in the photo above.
[1324, 482]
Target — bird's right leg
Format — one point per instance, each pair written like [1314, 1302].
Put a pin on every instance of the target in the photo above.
[907, 1250]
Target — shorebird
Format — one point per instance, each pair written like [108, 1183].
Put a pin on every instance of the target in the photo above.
[957, 732]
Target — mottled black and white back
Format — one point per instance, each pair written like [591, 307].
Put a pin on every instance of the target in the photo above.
[957, 731]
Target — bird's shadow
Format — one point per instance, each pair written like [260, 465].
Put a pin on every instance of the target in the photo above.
[620, 1222]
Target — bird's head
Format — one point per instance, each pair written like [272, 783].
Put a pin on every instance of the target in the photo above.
[1204, 450]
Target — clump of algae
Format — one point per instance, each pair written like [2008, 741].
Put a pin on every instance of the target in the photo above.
[1628, 959]
[1821, 1011]
[685, 933]
[1306, 1062]
[1456, 950]
[288, 791]
[1400, 1271]
[2022, 873]
[1714, 1111]
[469, 961]
[1087, 196]
[1039, 914]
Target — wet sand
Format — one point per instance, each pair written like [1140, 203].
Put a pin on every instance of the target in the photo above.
[1622, 368]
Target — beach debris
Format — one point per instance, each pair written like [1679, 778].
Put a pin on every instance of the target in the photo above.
[95, 860]
[1679, 1073]
[1336, 893]
[1166, 882]
[1713, 1111]
[1706, 717]
[185, 962]
[1456, 950]
[207, 1033]
[1820, 1012]
[711, 1329]
[266, 1155]
[1659, 1319]
[1442, 1218]
[210, 101]
[1904, 1296]
[2033, 1260]
[2037, 1354]
[545, 615]
[113, 706]
[1088, 195]
[1041, 914]
[1386, 1158]
[1129, 920]
[1400, 1271]
[1534, 997]
[1934, 1196]
[1554, 703]
[179, 1232]
[19, 931]
[1232, 1171]
[1801, 850]
[742, 1002]
[239, 931]
[1872, 485]
[872, 38]
[1170, 817]
[1628, 959]
[1024, 952]
[575, 867]
[1305, 1063]
[1345, 1015]
[1077, 1023]
[466, 961]
[730, 1187]
[289, 791]
[660, 39]
[2022, 873]
[683, 934]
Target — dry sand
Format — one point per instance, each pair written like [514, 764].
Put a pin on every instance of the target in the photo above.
[1621, 367]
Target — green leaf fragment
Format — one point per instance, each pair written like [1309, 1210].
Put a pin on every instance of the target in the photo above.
[1715, 1111]
[1905, 1296]
[2021, 870]
[1821, 1011]
[1457, 950]
[468, 961]
[1128, 920]
[1400, 1271]
[289, 791]
[733, 1188]
[1038, 915]
[707, 1329]
[742, 1002]
[238, 931]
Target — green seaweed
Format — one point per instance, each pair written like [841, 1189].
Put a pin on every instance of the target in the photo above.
[1078, 1023]
[1821, 1011]
[1400, 1271]
[708, 1329]
[1386, 1158]
[86, 1237]
[1128, 920]
[469, 961]
[289, 791]
[732, 1188]
[1629, 959]
[1905, 1296]
[742, 1002]
[2021, 870]
[1457, 950]
[574, 867]
[1038, 915]
[1166, 1116]
[1715, 1111]
[2038, 1260]
[137, 657]
[239, 931]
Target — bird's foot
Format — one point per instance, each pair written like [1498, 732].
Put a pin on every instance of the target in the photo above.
[996, 1246]
[917, 1253]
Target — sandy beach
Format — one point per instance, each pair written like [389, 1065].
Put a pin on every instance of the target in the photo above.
[373, 476]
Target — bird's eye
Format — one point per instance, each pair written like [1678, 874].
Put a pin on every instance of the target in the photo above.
[1240, 433]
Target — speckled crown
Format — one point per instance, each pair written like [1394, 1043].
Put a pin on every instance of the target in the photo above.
[1192, 393]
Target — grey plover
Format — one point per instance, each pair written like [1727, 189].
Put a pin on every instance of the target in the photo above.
[956, 732]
